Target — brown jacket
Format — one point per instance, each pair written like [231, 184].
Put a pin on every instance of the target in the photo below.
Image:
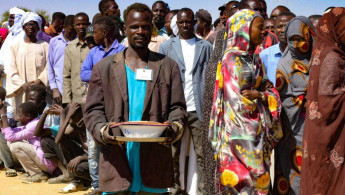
[107, 101]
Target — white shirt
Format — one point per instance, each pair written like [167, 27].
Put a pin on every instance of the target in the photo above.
[188, 51]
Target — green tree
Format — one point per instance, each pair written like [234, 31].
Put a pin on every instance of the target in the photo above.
[44, 13]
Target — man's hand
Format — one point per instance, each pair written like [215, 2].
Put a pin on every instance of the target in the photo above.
[251, 94]
[27, 86]
[38, 82]
[57, 96]
[72, 165]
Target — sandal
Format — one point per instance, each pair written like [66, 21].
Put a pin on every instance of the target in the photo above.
[38, 177]
[58, 180]
[11, 173]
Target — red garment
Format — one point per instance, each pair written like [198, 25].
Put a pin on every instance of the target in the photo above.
[3, 33]
[269, 40]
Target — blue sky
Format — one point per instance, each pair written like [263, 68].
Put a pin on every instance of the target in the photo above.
[299, 7]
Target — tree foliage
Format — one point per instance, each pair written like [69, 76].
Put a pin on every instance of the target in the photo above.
[44, 13]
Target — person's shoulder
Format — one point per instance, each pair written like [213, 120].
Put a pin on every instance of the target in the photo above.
[168, 42]
[106, 62]
[203, 42]
[268, 50]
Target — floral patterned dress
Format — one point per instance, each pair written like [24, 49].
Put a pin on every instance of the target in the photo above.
[243, 132]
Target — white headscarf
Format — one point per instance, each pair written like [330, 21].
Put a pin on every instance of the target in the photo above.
[173, 25]
[30, 16]
[18, 13]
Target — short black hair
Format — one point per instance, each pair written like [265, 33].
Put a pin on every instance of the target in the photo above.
[69, 20]
[186, 9]
[3, 93]
[102, 5]
[139, 7]
[95, 17]
[41, 90]
[216, 22]
[287, 13]
[29, 108]
[106, 23]
[58, 16]
[282, 6]
[314, 17]
[174, 11]
[160, 2]
[82, 14]
[244, 4]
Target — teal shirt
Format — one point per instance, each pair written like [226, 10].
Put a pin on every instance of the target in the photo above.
[136, 97]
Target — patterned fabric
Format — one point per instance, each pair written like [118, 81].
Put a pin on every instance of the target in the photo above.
[243, 132]
[291, 82]
[324, 138]
[210, 79]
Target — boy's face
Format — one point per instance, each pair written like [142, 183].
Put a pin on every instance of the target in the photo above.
[23, 118]
[99, 34]
[33, 96]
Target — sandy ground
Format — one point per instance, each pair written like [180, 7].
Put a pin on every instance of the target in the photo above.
[14, 186]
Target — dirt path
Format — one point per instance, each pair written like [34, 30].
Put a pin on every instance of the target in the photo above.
[14, 186]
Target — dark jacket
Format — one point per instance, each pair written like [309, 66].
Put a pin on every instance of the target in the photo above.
[107, 101]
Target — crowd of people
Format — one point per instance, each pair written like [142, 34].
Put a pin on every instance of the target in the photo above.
[255, 102]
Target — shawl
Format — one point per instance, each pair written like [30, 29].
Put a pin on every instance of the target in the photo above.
[3, 32]
[243, 132]
[324, 134]
[293, 69]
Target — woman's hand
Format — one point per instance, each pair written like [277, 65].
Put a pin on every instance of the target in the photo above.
[73, 107]
[251, 94]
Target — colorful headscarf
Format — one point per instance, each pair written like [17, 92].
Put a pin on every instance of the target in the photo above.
[243, 132]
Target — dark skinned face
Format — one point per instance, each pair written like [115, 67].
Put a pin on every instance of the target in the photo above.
[33, 96]
[263, 10]
[80, 25]
[11, 20]
[99, 34]
[31, 28]
[23, 118]
[280, 27]
[276, 11]
[138, 29]
[112, 9]
[185, 24]
[257, 32]
[159, 11]
[168, 18]
[70, 32]
[58, 25]
[254, 5]
[269, 25]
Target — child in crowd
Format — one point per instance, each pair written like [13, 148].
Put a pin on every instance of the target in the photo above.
[24, 145]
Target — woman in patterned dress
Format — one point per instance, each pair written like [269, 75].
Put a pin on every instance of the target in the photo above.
[244, 124]
[323, 169]
[291, 82]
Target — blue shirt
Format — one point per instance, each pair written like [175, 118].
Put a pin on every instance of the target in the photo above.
[270, 58]
[136, 97]
[163, 32]
[95, 55]
[55, 62]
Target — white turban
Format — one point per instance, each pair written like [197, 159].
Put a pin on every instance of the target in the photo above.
[30, 16]
[173, 25]
[16, 11]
